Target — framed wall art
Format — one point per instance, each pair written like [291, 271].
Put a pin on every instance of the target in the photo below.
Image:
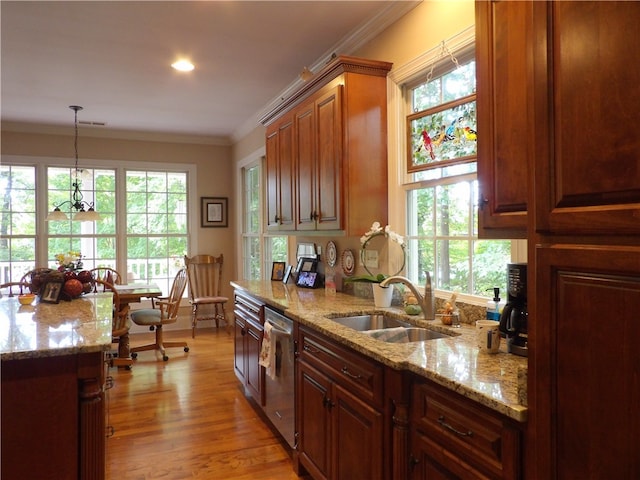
[214, 211]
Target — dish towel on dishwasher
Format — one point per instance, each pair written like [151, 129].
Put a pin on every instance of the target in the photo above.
[398, 334]
[268, 351]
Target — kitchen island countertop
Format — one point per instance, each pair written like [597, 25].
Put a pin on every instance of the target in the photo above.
[45, 329]
[454, 362]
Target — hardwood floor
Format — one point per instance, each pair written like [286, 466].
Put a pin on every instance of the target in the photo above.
[188, 417]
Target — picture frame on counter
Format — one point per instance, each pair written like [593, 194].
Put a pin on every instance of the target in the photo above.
[214, 212]
[277, 270]
[51, 291]
[287, 274]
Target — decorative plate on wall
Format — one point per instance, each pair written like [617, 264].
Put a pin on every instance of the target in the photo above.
[332, 254]
[348, 262]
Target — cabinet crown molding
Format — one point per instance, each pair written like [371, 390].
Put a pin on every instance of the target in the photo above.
[339, 65]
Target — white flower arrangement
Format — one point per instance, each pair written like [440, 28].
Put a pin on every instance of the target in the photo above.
[377, 231]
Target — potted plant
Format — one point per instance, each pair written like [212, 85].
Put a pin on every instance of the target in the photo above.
[382, 295]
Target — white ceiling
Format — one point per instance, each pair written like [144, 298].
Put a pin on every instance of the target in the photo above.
[113, 58]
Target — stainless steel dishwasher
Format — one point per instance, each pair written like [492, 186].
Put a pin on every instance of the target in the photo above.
[279, 387]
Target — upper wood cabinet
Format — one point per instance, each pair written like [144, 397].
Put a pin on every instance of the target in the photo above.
[280, 172]
[318, 150]
[503, 32]
[338, 150]
[585, 128]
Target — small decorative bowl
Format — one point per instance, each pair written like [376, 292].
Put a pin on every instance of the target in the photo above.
[451, 319]
[26, 299]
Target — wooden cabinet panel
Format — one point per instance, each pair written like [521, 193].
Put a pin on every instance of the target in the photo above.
[586, 81]
[357, 437]
[341, 429]
[503, 32]
[53, 417]
[587, 362]
[306, 175]
[458, 436]
[328, 204]
[314, 444]
[280, 175]
[239, 355]
[362, 375]
[248, 331]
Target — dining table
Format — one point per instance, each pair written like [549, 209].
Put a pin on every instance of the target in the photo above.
[133, 293]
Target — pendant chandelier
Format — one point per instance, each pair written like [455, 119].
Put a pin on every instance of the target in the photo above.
[83, 211]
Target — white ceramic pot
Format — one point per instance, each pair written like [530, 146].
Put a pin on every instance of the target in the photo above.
[382, 296]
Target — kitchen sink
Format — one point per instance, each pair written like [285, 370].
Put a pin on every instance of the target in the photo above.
[374, 321]
[405, 335]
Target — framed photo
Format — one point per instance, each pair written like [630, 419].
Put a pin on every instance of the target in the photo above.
[277, 271]
[50, 292]
[287, 274]
[214, 212]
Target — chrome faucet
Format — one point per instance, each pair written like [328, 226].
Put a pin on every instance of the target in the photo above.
[426, 301]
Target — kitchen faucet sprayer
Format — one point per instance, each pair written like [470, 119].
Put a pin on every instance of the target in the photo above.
[427, 301]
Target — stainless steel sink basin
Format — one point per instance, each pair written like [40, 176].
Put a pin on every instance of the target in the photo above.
[375, 321]
[405, 335]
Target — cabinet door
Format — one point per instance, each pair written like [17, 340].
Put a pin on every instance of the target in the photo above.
[429, 461]
[314, 395]
[503, 30]
[328, 169]
[306, 167]
[280, 176]
[587, 83]
[254, 372]
[587, 362]
[239, 350]
[357, 439]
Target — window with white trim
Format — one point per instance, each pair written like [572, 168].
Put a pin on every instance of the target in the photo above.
[259, 249]
[143, 231]
[441, 184]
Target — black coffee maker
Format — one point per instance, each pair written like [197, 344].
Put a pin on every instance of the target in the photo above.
[513, 320]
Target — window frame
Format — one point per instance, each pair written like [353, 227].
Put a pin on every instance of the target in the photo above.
[44, 206]
[400, 180]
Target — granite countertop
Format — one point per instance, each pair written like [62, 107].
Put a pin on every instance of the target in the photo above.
[45, 329]
[453, 362]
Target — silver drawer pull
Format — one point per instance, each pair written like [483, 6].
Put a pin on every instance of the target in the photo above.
[346, 371]
[307, 348]
[450, 428]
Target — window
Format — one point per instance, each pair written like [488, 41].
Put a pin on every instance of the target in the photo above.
[441, 183]
[143, 230]
[259, 250]
[17, 221]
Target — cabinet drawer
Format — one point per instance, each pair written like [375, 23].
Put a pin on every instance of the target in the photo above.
[358, 373]
[467, 430]
[248, 308]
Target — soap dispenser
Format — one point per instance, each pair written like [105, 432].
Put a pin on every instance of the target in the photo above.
[494, 306]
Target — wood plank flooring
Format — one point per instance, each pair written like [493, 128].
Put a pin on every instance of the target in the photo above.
[188, 417]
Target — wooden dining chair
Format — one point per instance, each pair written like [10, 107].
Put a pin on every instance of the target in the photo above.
[165, 311]
[120, 326]
[106, 274]
[205, 283]
[14, 288]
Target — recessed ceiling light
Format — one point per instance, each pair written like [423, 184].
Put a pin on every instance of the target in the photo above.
[183, 65]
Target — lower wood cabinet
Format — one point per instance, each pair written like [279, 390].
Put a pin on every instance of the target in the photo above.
[340, 417]
[248, 332]
[53, 417]
[454, 438]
